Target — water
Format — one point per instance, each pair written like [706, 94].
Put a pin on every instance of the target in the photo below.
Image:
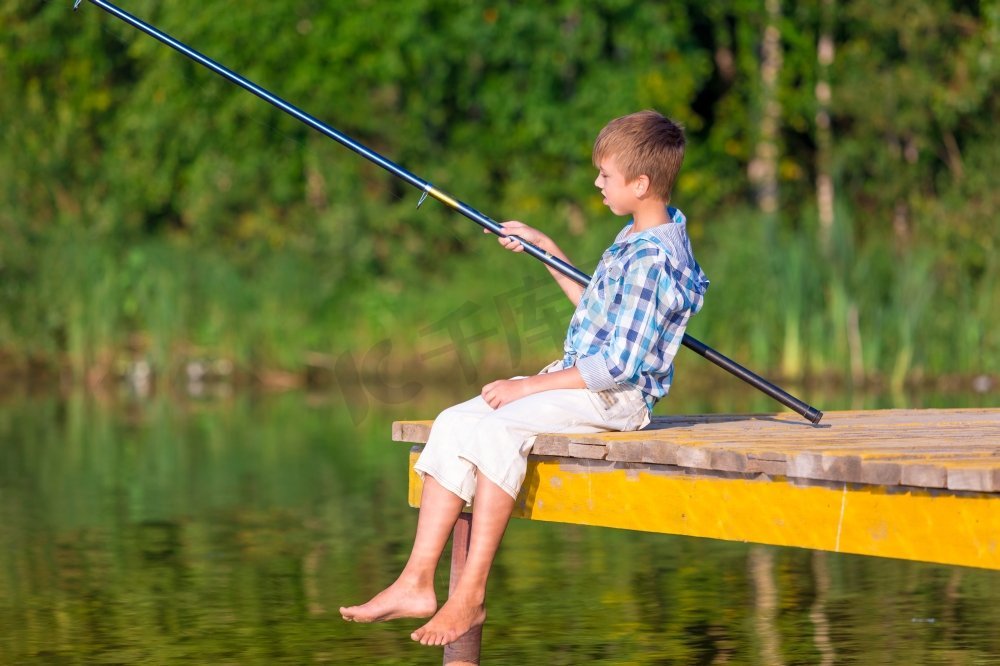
[229, 531]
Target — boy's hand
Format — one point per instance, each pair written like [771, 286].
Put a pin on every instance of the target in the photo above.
[531, 235]
[499, 393]
[515, 228]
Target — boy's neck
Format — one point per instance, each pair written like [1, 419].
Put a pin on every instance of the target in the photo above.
[650, 213]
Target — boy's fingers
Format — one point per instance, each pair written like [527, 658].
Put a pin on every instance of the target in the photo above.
[509, 243]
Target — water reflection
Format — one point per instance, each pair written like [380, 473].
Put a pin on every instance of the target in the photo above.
[817, 612]
[224, 531]
[765, 594]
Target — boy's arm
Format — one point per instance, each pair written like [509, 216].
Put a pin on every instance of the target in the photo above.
[499, 393]
[572, 290]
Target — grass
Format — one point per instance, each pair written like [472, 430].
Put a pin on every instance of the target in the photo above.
[778, 302]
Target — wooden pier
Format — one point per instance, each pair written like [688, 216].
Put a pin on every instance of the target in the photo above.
[908, 484]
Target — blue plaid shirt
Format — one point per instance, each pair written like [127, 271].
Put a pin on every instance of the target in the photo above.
[631, 317]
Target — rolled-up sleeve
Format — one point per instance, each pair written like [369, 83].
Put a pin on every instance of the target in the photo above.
[595, 373]
[647, 296]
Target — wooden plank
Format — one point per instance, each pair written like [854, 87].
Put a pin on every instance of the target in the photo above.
[922, 475]
[587, 451]
[883, 466]
[882, 472]
[659, 452]
[821, 460]
[551, 445]
[697, 457]
[810, 465]
[860, 437]
[413, 432]
[979, 475]
[770, 442]
[625, 451]
[770, 467]
[886, 467]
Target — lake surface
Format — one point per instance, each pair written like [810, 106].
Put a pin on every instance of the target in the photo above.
[229, 530]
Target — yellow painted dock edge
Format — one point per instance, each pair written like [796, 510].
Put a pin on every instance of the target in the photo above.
[961, 528]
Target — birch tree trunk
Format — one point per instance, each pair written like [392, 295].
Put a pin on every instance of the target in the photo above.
[763, 168]
[824, 134]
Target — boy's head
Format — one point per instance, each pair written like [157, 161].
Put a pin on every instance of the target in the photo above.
[644, 143]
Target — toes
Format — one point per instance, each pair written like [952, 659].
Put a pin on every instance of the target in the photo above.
[425, 638]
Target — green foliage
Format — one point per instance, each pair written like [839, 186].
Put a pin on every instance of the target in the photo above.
[150, 203]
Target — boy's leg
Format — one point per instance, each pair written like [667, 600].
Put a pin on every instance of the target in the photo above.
[498, 446]
[449, 484]
[412, 594]
[440, 458]
[466, 606]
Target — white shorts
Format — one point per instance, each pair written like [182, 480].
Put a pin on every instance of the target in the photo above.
[473, 438]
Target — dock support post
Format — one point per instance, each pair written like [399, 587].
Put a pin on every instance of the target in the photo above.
[466, 649]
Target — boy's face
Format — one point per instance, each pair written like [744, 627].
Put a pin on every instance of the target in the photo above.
[619, 196]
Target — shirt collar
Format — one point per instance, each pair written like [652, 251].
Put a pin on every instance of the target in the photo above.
[671, 231]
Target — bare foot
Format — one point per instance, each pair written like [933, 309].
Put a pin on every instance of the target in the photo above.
[396, 601]
[455, 618]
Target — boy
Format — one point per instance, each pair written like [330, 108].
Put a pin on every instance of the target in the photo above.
[618, 362]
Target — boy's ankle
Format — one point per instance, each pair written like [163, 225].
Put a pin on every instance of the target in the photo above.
[416, 579]
[469, 597]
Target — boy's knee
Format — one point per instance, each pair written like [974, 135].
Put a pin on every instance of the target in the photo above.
[456, 421]
[452, 418]
[492, 429]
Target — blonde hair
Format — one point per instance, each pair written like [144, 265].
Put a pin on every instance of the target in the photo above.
[644, 143]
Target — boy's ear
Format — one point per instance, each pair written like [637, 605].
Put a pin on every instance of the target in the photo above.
[640, 185]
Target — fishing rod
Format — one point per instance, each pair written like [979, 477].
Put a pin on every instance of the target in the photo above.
[807, 411]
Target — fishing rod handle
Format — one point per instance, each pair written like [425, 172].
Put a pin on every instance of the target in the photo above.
[803, 409]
